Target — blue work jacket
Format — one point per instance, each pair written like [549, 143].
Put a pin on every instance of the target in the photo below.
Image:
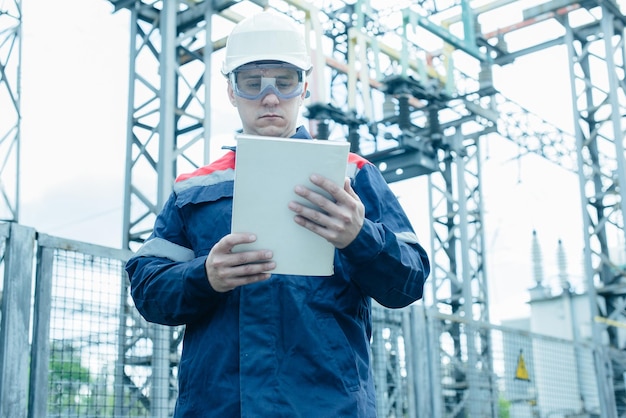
[290, 346]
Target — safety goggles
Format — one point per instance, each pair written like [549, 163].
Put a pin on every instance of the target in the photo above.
[254, 81]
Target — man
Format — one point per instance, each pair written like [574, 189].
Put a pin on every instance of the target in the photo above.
[263, 345]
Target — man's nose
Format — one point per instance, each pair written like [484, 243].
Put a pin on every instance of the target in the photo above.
[270, 98]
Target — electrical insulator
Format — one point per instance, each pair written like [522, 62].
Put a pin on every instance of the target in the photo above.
[323, 131]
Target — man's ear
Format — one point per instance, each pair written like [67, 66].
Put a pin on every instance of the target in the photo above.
[306, 93]
[231, 95]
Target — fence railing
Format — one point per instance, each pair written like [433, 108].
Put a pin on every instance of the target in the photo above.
[72, 345]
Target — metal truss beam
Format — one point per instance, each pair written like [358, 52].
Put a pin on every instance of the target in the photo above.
[10, 132]
[597, 68]
[459, 285]
[168, 130]
[168, 133]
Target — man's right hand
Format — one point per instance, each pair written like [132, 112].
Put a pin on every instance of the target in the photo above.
[227, 270]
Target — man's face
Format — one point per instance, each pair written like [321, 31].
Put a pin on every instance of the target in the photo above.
[268, 115]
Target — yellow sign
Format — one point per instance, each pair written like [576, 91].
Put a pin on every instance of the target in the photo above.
[521, 373]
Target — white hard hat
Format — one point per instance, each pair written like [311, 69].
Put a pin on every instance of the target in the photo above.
[266, 36]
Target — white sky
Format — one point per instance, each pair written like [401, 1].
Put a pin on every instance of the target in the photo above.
[74, 82]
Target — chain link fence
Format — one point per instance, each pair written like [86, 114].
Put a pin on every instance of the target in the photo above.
[72, 345]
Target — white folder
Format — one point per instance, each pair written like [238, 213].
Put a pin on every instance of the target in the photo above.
[267, 171]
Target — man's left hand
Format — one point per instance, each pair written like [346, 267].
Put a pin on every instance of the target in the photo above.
[338, 221]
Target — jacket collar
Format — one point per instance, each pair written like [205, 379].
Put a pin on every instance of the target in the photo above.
[301, 133]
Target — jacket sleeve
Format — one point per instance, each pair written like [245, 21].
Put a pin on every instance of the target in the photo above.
[168, 282]
[386, 261]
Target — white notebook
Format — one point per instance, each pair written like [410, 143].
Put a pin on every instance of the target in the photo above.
[266, 173]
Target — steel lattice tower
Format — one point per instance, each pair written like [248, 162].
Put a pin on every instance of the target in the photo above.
[10, 63]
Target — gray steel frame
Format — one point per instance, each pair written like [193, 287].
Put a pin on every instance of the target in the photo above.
[10, 99]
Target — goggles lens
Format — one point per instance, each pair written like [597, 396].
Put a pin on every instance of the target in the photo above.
[254, 81]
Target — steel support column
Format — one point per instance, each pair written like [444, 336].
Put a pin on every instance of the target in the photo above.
[596, 58]
[168, 133]
[10, 120]
[458, 281]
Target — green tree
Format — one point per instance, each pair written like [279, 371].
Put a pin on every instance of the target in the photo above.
[69, 382]
[504, 407]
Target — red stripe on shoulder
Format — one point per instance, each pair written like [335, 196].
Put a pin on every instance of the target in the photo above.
[223, 163]
[358, 160]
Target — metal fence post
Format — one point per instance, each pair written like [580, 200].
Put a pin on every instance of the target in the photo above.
[14, 333]
[422, 361]
[40, 357]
